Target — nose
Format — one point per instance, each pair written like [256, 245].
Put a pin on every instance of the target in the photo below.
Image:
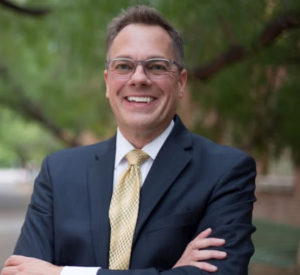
[139, 77]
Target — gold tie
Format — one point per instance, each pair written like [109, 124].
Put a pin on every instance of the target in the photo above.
[123, 211]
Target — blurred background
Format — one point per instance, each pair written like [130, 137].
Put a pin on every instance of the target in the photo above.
[243, 59]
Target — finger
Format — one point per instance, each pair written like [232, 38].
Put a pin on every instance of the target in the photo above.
[208, 242]
[202, 255]
[11, 270]
[205, 266]
[204, 234]
[15, 260]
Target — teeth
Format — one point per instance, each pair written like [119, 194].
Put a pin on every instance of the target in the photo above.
[140, 99]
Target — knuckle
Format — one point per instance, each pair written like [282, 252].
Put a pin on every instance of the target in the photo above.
[10, 260]
[22, 267]
[7, 262]
[208, 241]
[190, 244]
[206, 254]
[202, 244]
[197, 244]
[194, 254]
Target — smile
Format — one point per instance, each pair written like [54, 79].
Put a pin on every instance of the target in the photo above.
[140, 99]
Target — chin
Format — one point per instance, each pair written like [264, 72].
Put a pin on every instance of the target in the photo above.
[141, 125]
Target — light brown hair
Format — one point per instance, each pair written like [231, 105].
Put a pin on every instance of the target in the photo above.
[149, 16]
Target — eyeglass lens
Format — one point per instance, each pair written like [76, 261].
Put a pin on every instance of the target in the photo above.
[154, 68]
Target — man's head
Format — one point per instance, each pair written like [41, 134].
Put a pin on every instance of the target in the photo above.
[146, 16]
[144, 77]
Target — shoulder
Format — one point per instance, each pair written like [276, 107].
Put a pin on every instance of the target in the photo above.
[212, 154]
[204, 151]
[208, 146]
[80, 155]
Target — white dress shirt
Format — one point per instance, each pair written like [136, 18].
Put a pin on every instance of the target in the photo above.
[123, 146]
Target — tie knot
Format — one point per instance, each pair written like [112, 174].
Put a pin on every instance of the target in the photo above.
[136, 157]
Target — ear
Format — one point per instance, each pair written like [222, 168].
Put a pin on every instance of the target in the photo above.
[182, 82]
[106, 82]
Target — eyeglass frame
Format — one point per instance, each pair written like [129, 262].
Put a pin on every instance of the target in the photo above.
[142, 62]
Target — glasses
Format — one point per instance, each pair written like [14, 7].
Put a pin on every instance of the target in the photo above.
[154, 68]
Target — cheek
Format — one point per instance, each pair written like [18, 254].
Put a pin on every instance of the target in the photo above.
[114, 88]
[110, 90]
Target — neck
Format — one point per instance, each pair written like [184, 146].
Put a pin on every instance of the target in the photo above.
[140, 139]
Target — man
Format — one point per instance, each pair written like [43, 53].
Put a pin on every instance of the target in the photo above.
[194, 192]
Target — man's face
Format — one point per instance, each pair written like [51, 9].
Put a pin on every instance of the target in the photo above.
[140, 42]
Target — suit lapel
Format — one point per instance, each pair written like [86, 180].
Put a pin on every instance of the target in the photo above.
[100, 181]
[168, 165]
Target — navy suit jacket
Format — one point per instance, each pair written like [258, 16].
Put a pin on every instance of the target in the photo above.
[193, 184]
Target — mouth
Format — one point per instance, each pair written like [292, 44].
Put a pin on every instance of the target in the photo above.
[140, 99]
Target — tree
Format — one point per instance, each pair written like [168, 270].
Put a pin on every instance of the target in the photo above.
[243, 59]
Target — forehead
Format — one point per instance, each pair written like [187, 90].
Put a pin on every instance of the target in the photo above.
[139, 42]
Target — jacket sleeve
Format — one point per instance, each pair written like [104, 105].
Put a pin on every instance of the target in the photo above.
[229, 214]
[36, 238]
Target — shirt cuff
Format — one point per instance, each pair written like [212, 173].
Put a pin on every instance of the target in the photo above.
[78, 270]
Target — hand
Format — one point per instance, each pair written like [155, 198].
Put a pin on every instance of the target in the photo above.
[20, 265]
[194, 253]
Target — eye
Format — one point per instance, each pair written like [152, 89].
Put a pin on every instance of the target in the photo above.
[157, 66]
[123, 67]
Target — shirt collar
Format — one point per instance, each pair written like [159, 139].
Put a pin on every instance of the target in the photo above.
[123, 146]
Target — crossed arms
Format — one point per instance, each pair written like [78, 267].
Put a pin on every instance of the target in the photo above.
[229, 216]
[194, 255]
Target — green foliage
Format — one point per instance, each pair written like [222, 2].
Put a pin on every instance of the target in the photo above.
[57, 62]
[21, 141]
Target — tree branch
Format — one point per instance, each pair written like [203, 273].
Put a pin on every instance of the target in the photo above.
[231, 56]
[236, 53]
[227, 30]
[276, 27]
[24, 106]
[24, 10]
